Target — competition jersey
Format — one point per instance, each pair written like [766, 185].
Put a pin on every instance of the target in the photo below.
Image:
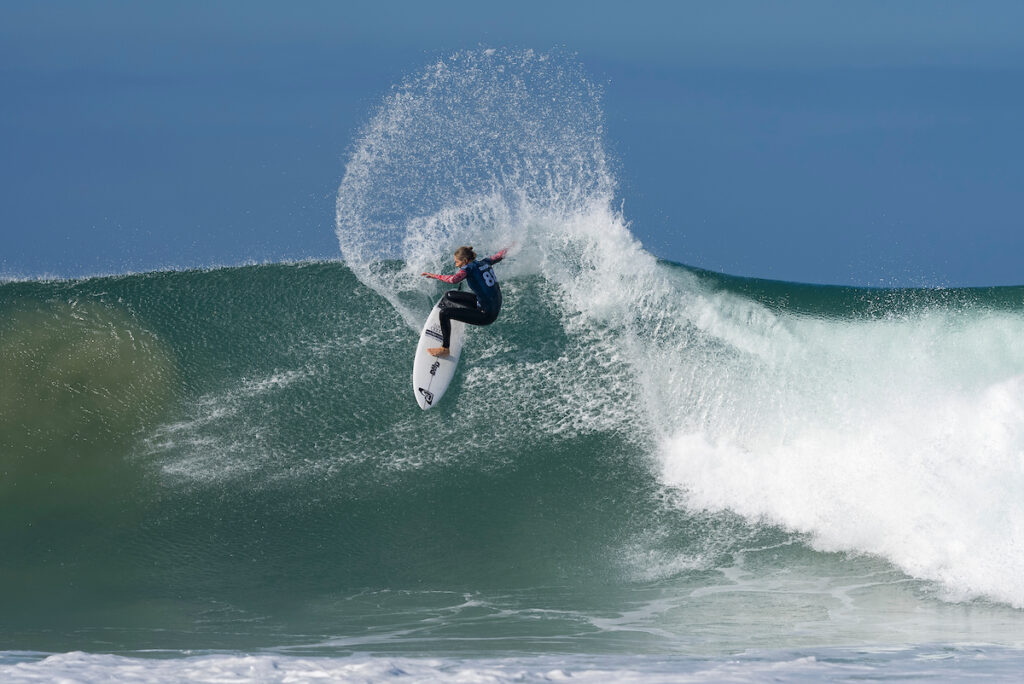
[482, 281]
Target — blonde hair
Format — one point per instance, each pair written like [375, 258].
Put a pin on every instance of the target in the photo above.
[465, 253]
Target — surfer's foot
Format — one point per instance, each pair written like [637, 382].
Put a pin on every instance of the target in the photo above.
[438, 351]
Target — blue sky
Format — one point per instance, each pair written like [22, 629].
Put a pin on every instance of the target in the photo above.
[869, 143]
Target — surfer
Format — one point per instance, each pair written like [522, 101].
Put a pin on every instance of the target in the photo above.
[479, 307]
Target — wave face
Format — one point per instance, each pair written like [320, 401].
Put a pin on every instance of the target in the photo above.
[636, 454]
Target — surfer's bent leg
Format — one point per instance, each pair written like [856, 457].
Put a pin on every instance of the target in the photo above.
[458, 298]
[461, 306]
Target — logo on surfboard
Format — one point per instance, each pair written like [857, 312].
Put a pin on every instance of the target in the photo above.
[428, 396]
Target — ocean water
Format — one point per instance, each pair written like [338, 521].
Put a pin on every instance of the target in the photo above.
[643, 472]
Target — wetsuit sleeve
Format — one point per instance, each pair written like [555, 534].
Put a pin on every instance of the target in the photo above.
[452, 279]
[497, 257]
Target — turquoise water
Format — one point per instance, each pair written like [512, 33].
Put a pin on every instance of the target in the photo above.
[642, 470]
[261, 479]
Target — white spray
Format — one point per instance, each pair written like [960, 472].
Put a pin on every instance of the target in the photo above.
[901, 436]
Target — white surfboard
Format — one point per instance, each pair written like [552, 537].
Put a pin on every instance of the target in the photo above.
[431, 375]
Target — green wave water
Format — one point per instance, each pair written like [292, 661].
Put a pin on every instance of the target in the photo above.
[212, 436]
[234, 459]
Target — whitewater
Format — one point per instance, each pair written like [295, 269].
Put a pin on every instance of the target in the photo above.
[644, 470]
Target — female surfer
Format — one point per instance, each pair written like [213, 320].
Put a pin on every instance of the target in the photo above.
[479, 307]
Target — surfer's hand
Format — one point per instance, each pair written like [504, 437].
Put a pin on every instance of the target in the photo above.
[429, 275]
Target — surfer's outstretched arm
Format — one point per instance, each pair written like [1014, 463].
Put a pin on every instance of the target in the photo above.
[495, 258]
[457, 277]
